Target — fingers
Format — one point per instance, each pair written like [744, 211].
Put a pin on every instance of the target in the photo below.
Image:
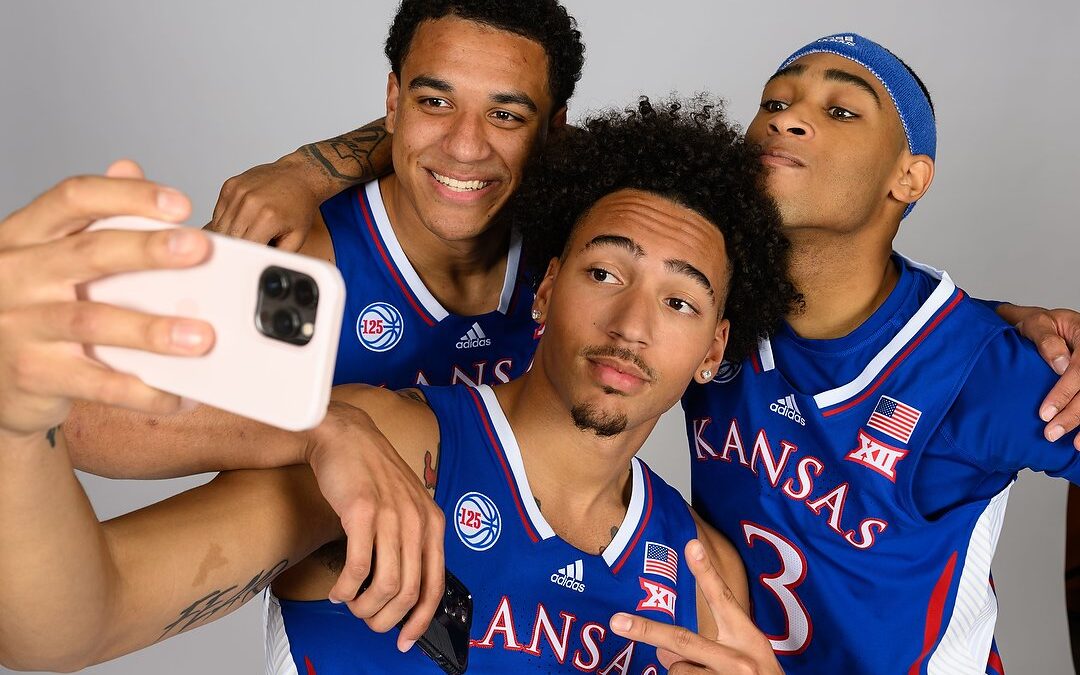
[76, 202]
[292, 241]
[124, 168]
[98, 324]
[722, 602]
[675, 639]
[432, 583]
[387, 580]
[359, 528]
[219, 221]
[92, 255]
[85, 380]
[1061, 408]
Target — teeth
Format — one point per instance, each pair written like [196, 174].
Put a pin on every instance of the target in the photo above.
[461, 185]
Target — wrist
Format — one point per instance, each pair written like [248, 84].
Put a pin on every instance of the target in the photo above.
[32, 441]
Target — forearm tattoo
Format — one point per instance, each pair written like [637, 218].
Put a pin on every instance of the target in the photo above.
[348, 157]
[223, 600]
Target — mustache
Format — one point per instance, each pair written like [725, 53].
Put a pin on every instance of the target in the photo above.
[620, 353]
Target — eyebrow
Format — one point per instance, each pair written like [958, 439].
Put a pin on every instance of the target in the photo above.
[683, 267]
[792, 70]
[428, 82]
[502, 98]
[837, 75]
[618, 241]
[633, 248]
[832, 74]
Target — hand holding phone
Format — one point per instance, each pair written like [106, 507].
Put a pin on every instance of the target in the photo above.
[446, 640]
[276, 316]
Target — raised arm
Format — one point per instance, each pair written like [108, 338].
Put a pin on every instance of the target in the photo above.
[276, 202]
[79, 592]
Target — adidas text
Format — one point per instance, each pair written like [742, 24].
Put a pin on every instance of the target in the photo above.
[786, 407]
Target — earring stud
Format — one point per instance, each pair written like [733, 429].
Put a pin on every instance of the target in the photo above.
[536, 315]
[706, 374]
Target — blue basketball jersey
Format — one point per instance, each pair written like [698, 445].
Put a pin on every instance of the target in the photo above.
[395, 333]
[539, 604]
[816, 489]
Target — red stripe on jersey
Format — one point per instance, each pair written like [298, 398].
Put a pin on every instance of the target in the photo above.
[754, 362]
[529, 530]
[934, 612]
[369, 221]
[641, 525]
[994, 663]
[907, 352]
[310, 668]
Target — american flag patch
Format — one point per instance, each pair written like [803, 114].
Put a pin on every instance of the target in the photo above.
[894, 418]
[662, 560]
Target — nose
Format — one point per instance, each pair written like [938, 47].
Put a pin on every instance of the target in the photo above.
[790, 122]
[466, 140]
[632, 319]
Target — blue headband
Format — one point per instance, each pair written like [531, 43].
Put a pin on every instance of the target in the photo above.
[911, 103]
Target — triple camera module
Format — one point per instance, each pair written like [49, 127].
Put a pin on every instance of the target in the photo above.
[286, 306]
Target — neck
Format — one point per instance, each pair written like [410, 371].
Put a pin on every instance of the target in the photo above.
[843, 279]
[583, 481]
[465, 275]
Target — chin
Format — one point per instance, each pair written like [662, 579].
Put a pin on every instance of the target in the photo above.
[602, 422]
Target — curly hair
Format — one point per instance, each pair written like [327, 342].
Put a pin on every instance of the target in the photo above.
[545, 22]
[684, 151]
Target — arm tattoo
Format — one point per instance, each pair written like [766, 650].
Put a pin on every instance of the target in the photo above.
[51, 435]
[350, 154]
[223, 600]
[431, 474]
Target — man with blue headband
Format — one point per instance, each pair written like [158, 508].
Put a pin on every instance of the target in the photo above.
[861, 460]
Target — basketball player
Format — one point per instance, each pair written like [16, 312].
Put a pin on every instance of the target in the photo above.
[861, 459]
[555, 524]
[435, 293]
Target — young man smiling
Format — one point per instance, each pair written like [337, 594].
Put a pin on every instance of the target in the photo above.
[661, 248]
[435, 294]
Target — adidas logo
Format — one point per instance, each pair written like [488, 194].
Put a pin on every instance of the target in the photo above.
[787, 407]
[474, 338]
[570, 577]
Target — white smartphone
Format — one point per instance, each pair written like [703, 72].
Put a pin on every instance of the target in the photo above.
[276, 316]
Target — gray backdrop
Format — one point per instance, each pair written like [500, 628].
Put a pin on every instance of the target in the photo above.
[198, 91]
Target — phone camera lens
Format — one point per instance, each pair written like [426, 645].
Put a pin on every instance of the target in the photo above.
[304, 292]
[286, 323]
[275, 283]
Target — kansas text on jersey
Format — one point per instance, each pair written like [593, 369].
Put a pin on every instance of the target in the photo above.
[540, 605]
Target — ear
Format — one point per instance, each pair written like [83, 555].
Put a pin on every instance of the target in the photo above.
[916, 174]
[543, 291]
[556, 124]
[393, 90]
[715, 356]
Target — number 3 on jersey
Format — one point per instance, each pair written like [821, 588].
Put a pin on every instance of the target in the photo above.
[782, 584]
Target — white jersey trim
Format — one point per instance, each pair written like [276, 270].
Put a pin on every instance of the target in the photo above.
[532, 511]
[513, 260]
[408, 272]
[279, 660]
[632, 519]
[937, 299]
[906, 334]
[965, 644]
